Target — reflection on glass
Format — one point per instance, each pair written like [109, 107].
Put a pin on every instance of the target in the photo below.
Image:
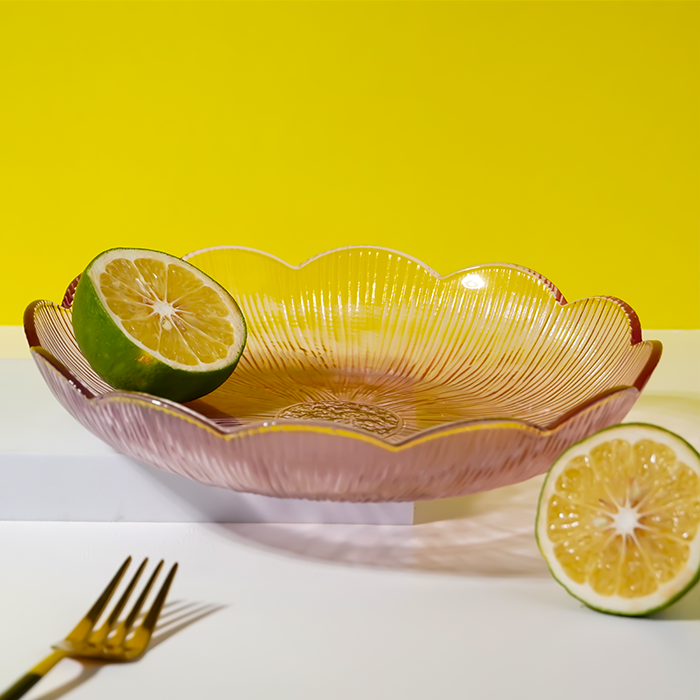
[473, 281]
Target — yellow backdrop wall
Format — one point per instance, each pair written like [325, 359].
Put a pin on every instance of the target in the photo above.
[560, 136]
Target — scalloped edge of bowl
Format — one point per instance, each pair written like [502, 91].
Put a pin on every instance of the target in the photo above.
[189, 414]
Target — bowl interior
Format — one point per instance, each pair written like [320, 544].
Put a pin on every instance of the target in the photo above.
[373, 339]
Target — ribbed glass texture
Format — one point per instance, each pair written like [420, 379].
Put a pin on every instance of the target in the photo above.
[367, 377]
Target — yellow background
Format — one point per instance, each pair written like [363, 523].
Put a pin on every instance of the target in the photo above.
[560, 136]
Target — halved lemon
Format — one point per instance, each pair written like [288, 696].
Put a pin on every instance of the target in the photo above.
[148, 321]
[618, 519]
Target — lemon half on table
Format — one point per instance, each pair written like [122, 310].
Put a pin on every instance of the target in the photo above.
[618, 519]
[148, 321]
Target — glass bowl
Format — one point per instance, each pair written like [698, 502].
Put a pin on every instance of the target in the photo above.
[369, 377]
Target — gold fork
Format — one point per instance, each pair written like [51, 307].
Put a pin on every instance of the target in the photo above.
[85, 642]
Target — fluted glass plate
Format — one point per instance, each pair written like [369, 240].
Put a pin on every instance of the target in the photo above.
[368, 377]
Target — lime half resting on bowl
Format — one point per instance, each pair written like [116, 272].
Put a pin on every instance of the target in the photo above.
[147, 321]
[618, 519]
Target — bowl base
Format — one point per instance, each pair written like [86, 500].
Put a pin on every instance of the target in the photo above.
[375, 419]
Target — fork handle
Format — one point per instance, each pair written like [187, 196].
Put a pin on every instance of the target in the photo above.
[29, 679]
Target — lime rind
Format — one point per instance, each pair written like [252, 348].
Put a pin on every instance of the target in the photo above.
[668, 593]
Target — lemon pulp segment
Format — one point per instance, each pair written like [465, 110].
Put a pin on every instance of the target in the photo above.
[160, 304]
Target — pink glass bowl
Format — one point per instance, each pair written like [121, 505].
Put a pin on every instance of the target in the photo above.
[368, 377]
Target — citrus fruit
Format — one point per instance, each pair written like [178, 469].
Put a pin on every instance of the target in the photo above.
[147, 321]
[618, 519]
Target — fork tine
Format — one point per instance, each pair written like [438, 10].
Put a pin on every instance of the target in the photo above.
[122, 602]
[124, 628]
[142, 636]
[83, 628]
[150, 622]
[129, 622]
[99, 636]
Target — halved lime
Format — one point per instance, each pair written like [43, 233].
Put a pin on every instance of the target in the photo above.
[618, 519]
[148, 321]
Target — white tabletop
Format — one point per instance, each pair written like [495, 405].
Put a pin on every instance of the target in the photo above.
[442, 610]
[459, 608]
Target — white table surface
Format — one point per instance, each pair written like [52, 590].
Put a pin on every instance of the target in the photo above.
[336, 611]
[459, 608]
